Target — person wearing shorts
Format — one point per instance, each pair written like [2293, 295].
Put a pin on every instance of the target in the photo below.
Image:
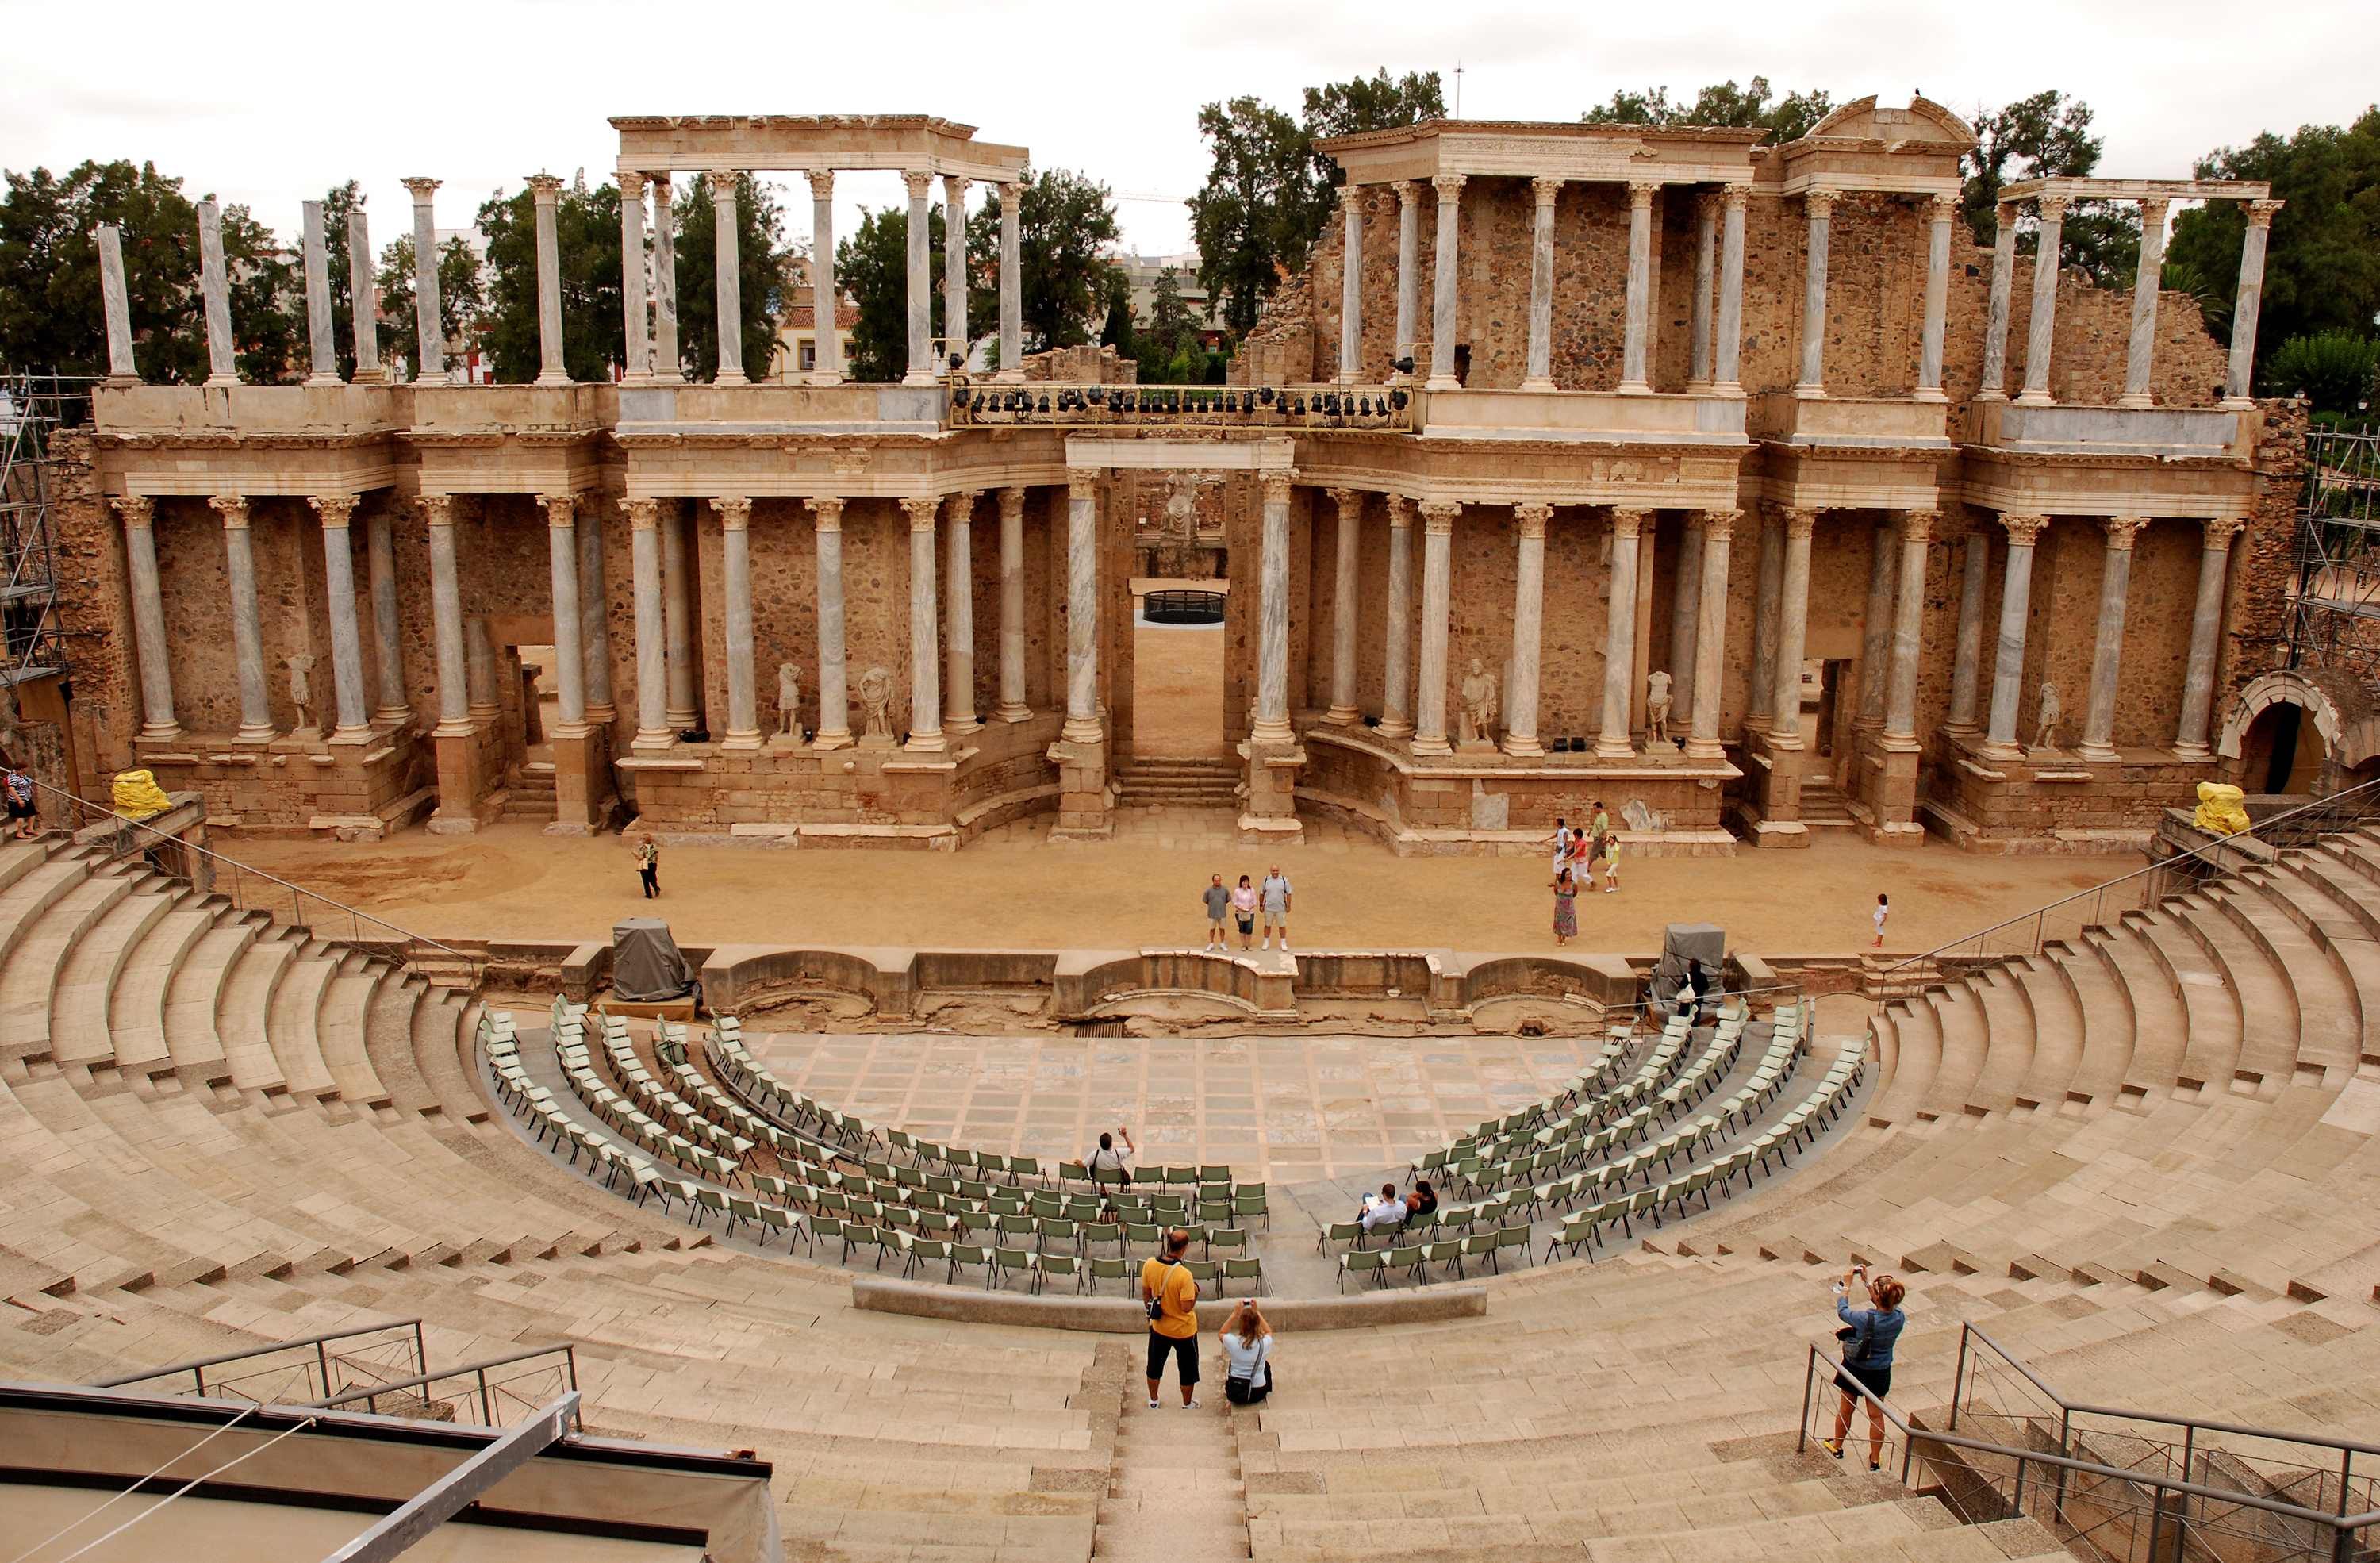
[17, 792]
[1244, 908]
[1168, 1285]
[1219, 906]
[1275, 893]
[1868, 1336]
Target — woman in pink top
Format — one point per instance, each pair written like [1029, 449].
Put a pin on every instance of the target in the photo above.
[1243, 908]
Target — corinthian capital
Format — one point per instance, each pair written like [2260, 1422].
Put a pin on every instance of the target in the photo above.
[1449, 185]
[734, 511]
[1277, 485]
[1533, 518]
[2024, 530]
[1083, 482]
[1437, 517]
[2123, 530]
[336, 509]
[1627, 521]
[233, 508]
[137, 510]
[1820, 204]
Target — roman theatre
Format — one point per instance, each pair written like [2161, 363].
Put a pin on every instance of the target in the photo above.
[1730, 486]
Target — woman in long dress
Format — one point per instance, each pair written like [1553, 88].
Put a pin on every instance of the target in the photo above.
[1565, 906]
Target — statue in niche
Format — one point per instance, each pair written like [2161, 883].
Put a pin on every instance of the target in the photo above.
[2044, 734]
[301, 689]
[1181, 506]
[1476, 721]
[876, 700]
[1657, 707]
[789, 701]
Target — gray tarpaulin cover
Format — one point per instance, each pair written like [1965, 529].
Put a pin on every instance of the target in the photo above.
[646, 966]
[1705, 943]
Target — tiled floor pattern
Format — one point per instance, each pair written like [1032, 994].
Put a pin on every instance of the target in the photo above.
[1287, 1109]
[1198, 830]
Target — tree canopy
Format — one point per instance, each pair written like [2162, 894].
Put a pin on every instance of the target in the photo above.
[462, 298]
[872, 265]
[2048, 136]
[760, 259]
[1743, 108]
[586, 234]
[1067, 282]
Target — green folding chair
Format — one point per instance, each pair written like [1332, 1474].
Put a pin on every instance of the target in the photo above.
[1243, 1269]
[1359, 1261]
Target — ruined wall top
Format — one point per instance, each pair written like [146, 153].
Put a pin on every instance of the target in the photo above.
[810, 142]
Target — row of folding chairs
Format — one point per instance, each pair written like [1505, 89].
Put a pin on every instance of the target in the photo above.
[522, 1094]
[1415, 1259]
[628, 1119]
[652, 1095]
[917, 1251]
[932, 1192]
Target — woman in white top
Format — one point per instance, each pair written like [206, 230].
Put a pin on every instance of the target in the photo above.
[1882, 909]
[1113, 1162]
[1247, 1341]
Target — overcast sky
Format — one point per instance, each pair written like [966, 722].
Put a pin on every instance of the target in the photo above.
[272, 104]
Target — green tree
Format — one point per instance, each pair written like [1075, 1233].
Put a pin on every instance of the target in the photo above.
[2334, 369]
[462, 298]
[587, 236]
[2048, 136]
[1787, 118]
[872, 266]
[1360, 103]
[1066, 280]
[1170, 319]
[761, 260]
[338, 201]
[2321, 259]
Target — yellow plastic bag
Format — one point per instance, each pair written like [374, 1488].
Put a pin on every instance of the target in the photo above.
[138, 796]
[2219, 808]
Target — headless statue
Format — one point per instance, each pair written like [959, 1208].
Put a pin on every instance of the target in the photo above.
[2046, 730]
[1656, 706]
[789, 700]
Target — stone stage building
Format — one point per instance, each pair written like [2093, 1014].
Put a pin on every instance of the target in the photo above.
[1755, 426]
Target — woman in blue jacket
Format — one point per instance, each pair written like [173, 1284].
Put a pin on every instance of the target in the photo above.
[1867, 1336]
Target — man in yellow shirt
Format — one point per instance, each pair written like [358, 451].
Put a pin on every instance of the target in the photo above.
[1170, 1292]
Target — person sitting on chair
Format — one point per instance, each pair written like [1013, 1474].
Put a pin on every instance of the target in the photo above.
[1421, 1201]
[1383, 1209]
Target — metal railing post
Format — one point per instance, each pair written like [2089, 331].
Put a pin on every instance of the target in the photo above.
[2016, 1505]
[420, 1350]
[1959, 1378]
[322, 1359]
[1809, 1377]
[2181, 1511]
[487, 1408]
[2065, 1448]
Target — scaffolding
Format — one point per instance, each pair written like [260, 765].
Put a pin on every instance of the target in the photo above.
[34, 407]
[2334, 607]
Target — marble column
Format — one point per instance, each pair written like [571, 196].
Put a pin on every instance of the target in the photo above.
[1876, 639]
[954, 277]
[1437, 583]
[1792, 631]
[1966, 672]
[925, 630]
[428, 322]
[653, 655]
[569, 649]
[247, 627]
[1710, 641]
[1939, 212]
[667, 369]
[2107, 646]
[920, 294]
[1698, 315]
[1013, 707]
[1271, 725]
[2139, 353]
[1408, 271]
[2041, 331]
[638, 369]
[1685, 614]
[1083, 606]
[595, 618]
[1351, 287]
[321, 330]
[2247, 303]
[1819, 206]
[215, 285]
[827, 369]
[546, 191]
[1640, 666]
[1011, 287]
[1528, 630]
[1637, 338]
[1396, 693]
[2206, 639]
[833, 685]
[354, 726]
[1764, 619]
[2007, 663]
[1540, 372]
[1908, 626]
[479, 671]
[116, 308]
[1996, 316]
[1343, 710]
[677, 619]
[1620, 638]
[734, 511]
[157, 724]
[363, 299]
[1727, 351]
[1447, 290]
[446, 618]
[728, 285]
[958, 618]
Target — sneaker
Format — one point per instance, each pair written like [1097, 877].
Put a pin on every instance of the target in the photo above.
[1152, 1406]
[1190, 1405]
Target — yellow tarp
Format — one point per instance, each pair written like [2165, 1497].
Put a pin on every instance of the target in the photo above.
[138, 796]
[2219, 808]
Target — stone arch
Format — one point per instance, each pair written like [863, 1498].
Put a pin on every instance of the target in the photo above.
[2339, 705]
[1924, 119]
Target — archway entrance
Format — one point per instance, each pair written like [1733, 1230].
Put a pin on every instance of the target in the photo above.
[2283, 750]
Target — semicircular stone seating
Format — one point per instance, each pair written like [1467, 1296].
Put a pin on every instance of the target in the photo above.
[2142, 1158]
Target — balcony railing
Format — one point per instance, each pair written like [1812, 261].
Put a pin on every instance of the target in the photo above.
[1285, 409]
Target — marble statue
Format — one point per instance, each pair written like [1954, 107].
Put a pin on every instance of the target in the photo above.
[1641, 818]
[789, 700]
[875, 699]
[1656, 706]
[2046, 730]
[1476, 721]
[301, 688]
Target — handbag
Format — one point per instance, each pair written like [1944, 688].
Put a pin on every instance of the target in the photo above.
[1237, 1389]
[1155, 1307]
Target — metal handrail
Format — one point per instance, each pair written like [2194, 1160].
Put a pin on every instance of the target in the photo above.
[569, 1365]
[1884, 979]
[198, 1365]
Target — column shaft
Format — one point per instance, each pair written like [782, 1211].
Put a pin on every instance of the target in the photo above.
[246, 628]
[1640, 666]
[1710, 648]
[1636, 340]
[1875, 640]
[1938, 215]
[728, 287]
[569, 647]
[322, 332]
[116, 308]
[1343, 709]
[148, 618]
[354, 724]
[2007, 663]
[958, 618]
[594, 618]
[667, 367]
[1763, 621]
[1012, 287]
[551, 370]
[827, 367]
[380, 557]
[2107, 647]
[638, 370]
[1408, 269]
[954, 278]
[1792, 630]
[1273, 616]
[652, 654]
[925, 630]
[446, 618]
[1528, 630]
[1620, 638]
[2206, 639]
[2041, 331]
[1698, 315]
[1727, 349]
[2247, 303]
[1685, 613]
[1083, 606]
[833, 685]
[1013, 707]
[2139, 353]
[428, 322]
[1540, 374]
[1996, 317]
[214, 284]
[1351, 287]
[1908, 626]
[1820, 205]
[1966, 673]
[363, 301]
[1436, 584]
[1443, 298]
[735, 568]
[677, 618]
[1396, 694]
[920, 295]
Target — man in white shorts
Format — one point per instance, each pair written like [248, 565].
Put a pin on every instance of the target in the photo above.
[1274, 896]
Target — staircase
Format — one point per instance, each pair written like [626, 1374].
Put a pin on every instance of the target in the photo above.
[1174, 1493]
[1823, 808]
[1157, 782]
[531, 795]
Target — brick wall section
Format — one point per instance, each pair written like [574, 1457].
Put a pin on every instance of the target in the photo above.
[96, 609]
